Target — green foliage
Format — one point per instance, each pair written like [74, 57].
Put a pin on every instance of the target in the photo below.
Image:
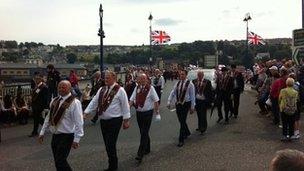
[10, 56]
[71, 58]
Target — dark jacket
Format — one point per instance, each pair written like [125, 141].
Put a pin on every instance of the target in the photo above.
[96, 87]
[239, 80]
[40, 98]
[208, 93]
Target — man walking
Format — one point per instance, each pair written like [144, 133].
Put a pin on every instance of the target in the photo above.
[203, 99]
[223, 92]
[184, 95]
[145, 101]
[65, 122]
[39, 103]
[158, 83]
[112, 105]
[238, 88]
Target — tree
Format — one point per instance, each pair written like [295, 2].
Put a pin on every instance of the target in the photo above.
[71, 58]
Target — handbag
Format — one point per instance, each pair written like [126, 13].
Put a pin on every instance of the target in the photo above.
[268, 102]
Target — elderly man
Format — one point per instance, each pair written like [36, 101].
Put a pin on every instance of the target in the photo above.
[183, 94]
[145, 101]
[112, 105]
[203, 99]
[65, 122]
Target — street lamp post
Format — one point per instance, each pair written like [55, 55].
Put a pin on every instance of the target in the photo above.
[246, 19]
[150, 32]
[102, 35]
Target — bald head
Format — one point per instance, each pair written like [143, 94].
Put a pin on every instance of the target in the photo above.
[142, 79]
[64, 88]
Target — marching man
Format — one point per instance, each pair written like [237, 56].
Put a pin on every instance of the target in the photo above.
[65, 122]
[183, 93]
[112, 105]
[145, 101]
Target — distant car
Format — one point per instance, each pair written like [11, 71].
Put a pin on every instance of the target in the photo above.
[209, 74]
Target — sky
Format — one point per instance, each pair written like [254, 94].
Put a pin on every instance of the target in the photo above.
[76, 22]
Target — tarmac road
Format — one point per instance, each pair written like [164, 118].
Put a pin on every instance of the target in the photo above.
[247, 143]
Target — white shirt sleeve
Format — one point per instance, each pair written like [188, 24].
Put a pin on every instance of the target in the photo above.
[93, 104]
[172, 95]
[124, 103]
[162, 82]
[45, 124]
[78, 120]
[192, 94]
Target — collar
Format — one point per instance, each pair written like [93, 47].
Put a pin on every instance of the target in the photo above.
[111, 87]
[66, 96]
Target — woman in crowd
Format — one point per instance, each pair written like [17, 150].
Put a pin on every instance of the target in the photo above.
[21, 108]
[8, 110]
[288, 106]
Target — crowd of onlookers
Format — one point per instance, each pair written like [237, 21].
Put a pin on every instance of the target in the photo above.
[280, 86]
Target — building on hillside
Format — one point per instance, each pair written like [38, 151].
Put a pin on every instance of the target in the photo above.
[21, 72]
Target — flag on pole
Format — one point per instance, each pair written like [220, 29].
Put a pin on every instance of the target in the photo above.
[159, 37]
[255, 39]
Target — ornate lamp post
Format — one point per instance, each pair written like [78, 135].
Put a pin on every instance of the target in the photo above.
[150, 31]
[246, 19]
[102, 35]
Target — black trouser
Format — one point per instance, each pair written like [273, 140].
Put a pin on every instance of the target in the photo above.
[288, 124]
[158, 92]
[275, 110]
[226, 97]
[236, 102]
[144, 120]
[182, 112]
[37, 120]
[201, 110]
[61, 146]
[110, 130]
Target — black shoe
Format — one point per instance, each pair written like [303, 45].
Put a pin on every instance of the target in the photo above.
[180, 144]
[138, 158]
[197, 129]
[32, 135]
[93, 121]
[226, 121]
[235, 116]
[146, 152]
[219, 120]
[110, 169]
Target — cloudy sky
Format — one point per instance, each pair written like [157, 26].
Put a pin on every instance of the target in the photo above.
[75, 22]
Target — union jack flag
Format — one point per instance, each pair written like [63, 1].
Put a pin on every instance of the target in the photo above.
[255, 39]
[159, 37]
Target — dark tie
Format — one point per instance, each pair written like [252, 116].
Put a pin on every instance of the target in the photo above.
[57, 105]
[181, 88]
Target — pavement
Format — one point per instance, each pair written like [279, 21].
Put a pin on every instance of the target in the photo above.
[247, 143]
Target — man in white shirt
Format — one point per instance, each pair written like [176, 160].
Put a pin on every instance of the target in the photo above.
[184, 95]
[112, 105]
[145, 101]
[65, 122]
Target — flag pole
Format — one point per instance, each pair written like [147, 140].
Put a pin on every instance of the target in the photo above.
[150, 36]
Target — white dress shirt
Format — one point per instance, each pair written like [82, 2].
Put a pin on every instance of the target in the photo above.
[118, 107]
[71, 122]
[200, 96]
[151, 98]
[189, 96]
